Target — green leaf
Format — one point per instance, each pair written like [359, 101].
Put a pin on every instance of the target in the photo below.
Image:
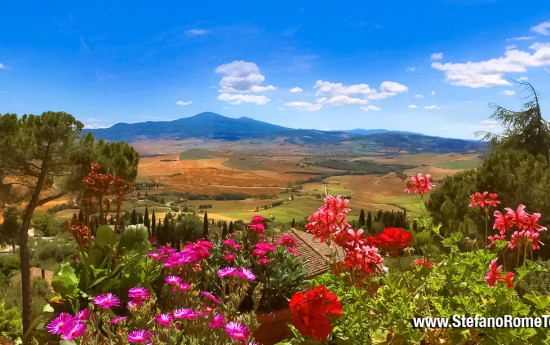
[541, 302]
[48, 309]
[65, 282]
[105, 236]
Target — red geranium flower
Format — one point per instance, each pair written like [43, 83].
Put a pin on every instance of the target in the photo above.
[310, 310]
[392, 239]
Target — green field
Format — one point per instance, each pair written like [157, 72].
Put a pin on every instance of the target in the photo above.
[458, 165]
[197, 154]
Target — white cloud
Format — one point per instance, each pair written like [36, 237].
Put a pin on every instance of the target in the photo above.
[524, 78]
[242, 76]
[412, 106]
[196, 32]
[94, 126]
[411, 69]
[326, 89]
[2, 66]
[509, 47]
[508, 92]
[490, 72]
[542, 28]
[243, 98]
[521, 38]
[340, 100]
[418, 95]
[184, 102]
[432, 93]
[370, 108]
[431, 107]
[305, 106]
[436, 56]
[296, 89]
[487, 124]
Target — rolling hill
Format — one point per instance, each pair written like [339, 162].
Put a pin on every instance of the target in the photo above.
[212, 126]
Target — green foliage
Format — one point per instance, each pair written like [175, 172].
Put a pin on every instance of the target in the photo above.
[9, 229]
[11, 326]
[48, 224]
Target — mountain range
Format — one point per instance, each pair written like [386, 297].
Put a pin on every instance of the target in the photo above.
[212, 126]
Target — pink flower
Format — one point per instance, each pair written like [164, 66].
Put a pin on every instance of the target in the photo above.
[76, 329]
[237, 246]
[227, 272]
[139, 292]
[229, 257]
[139, 336]
[211, 297]
[257, 219]
[236, 330]
[184, 287]
[419, 184]
[229, 242]
[106, 301]
[118, 319]
[264, 261]
[186, 313]
[494, 275]
[217, 321]
[82, 315]
[246, 273]
[494, 238]
[164, 319]
[173, 280]
[287, 241]
[60, 324]
[329, 219]
[480, 200]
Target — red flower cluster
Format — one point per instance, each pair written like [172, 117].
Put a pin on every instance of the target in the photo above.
[329, 218]
[361, 251]
[419, 184]
[393, 239]
[423, 262]
[495, 275]
[81, 233]
[310, 310]
[482, 201]
[526, 226]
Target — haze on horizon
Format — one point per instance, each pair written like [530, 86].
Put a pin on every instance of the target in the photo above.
[431, 68]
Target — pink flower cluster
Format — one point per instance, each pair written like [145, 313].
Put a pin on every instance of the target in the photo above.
[289, 243]
[242, 272]
[262, 249]
[481, 200]
[329, 218]
[107, 301]
[495, 275]
[231, 244]
[419, 184]
[257, 224]
[192, 253]
[526, 228]
[68, 326]
[138, 294]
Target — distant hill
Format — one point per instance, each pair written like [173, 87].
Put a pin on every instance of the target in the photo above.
[212, 126]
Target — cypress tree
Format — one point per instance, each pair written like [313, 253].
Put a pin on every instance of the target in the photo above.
[293, 223]
[205, 225]
[81, 216]
[362, 218]
[140, 219]
[146, 220]
[153, 225]
[224, 230]
[230, 230]
[369, 222]
[133, 217]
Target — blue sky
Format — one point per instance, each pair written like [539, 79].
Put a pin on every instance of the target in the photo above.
[430, 66]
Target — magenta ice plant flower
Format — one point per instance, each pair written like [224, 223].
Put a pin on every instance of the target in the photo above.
[227, 272]
[186, 313]
[246, 273]
[217, 321]
[236, 330]
[117, 320]
[173, 280]
[139, 336]
[164, 319]
[76, 329]
[211, 297]
[139, 292]
[107, 301]
[59, 324]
